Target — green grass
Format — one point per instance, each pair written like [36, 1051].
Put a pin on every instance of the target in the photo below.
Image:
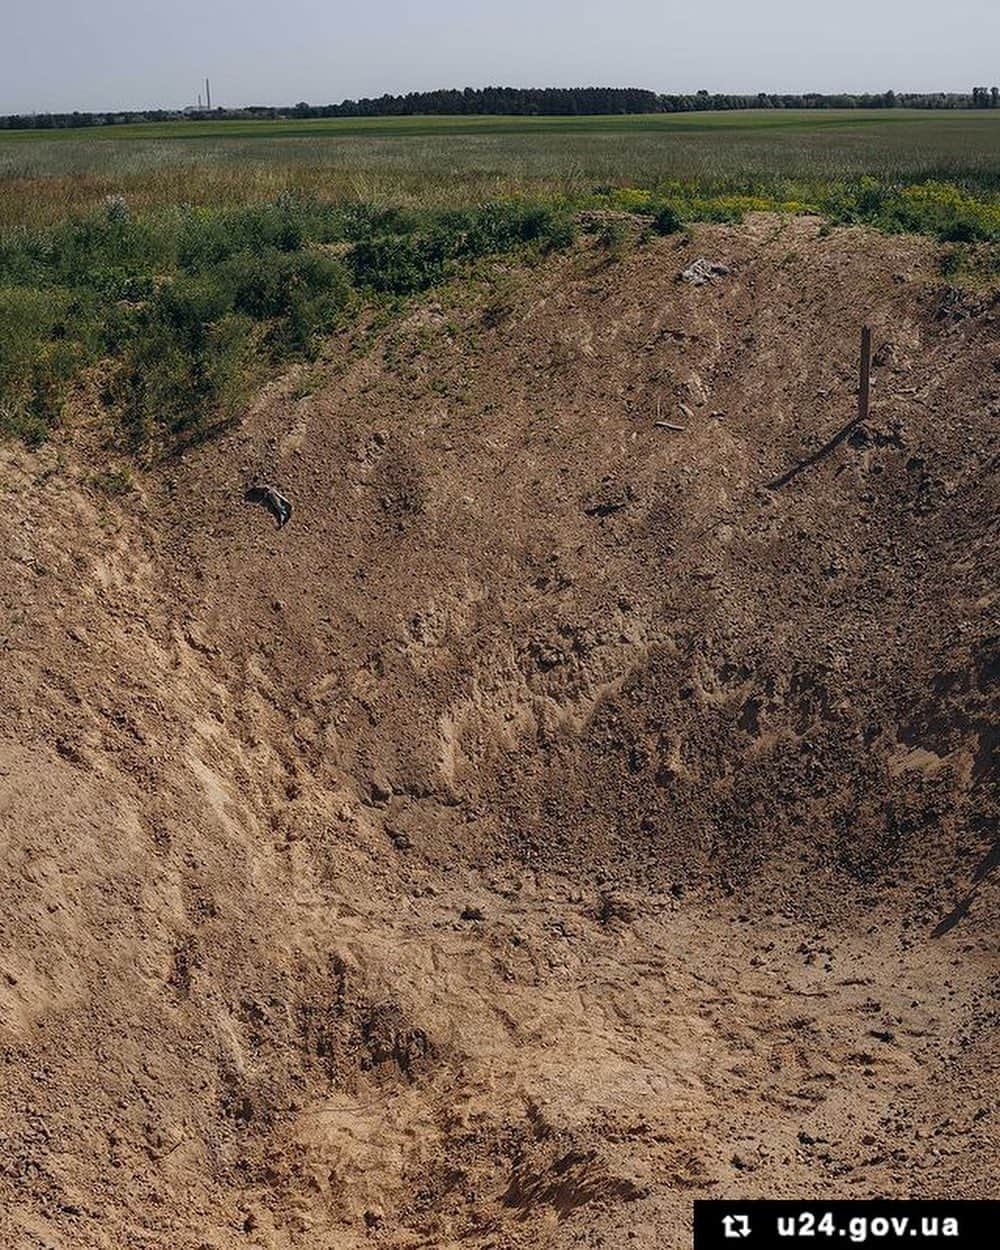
[169, 268]
[188, 308]
[648, 123]
[457, 161]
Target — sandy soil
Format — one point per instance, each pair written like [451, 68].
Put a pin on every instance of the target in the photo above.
[552, 824]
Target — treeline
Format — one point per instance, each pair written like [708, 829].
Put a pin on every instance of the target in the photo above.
[522, 102]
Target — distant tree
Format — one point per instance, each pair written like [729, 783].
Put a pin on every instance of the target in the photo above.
[526, 102]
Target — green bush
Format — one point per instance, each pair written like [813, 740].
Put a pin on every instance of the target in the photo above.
[612, 234]
[188, 355]
[203, 238]
[559, 233]
[83, 253]
[17, 423]
[48, 335]
[406, 263]
[272, 284]
[939, 209]
[397, 266]
[113, 482]
[187, 300]
[175, 383]
[356, 222]
[667, 220]
[962, 230]
[186, 306]
[302, 295]
[505, 225]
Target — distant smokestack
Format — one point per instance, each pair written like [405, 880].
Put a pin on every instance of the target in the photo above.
[208, 95]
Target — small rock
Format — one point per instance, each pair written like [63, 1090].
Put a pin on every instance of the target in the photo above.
[472, 913]
[609, 496]
[615, 907]
[381, 788]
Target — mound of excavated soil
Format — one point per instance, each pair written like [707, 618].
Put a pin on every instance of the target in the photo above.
[551, 824]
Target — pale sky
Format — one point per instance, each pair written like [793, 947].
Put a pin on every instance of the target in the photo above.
[59, 55]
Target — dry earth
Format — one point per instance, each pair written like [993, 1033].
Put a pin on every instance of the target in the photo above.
[551, 824]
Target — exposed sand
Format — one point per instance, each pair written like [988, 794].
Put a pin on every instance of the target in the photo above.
[550, 825]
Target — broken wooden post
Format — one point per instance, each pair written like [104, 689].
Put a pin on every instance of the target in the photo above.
[864, 389]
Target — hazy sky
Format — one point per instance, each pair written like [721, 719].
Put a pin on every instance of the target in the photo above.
[95, 54]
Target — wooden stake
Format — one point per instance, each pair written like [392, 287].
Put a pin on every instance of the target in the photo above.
[864, 389]
[864, 392]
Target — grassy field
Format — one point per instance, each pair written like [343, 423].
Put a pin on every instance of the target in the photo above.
[179, 263]
[643, 123]
[444, 160]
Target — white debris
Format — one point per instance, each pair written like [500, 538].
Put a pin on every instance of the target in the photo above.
[703, 271]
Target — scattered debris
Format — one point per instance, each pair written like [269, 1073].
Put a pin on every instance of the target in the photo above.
[953, 304]
[702, 271]
[273, 500]
[666, 425]
[886, 354]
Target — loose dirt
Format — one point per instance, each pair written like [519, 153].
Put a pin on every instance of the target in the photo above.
[551, 824]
